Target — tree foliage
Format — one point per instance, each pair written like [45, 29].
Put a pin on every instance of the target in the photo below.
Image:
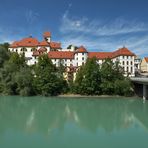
[107, 79]
[48, 80]
[88, 78]
[15, 76]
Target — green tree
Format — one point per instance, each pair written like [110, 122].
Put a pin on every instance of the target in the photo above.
[88, 78]
[113, 80]
[11, 74]
[24, 79]
[4, 54]
[7, 83]
[48, 81]
[123, 87]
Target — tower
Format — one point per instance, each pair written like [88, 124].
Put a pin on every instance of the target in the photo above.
[47, 36]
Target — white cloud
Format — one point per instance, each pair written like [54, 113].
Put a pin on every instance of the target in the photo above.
[104, 35]
[31, 16]
[100, 28]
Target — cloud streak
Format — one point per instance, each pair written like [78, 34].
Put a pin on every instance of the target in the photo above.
[98, 27]
[31, 16]
[104, 35]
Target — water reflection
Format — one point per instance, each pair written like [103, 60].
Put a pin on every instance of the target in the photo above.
[44, 115]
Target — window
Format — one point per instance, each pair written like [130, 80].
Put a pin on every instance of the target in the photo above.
[131, 63]
[82, 53]
[65, 64]
[82, 58]
[131, 69]
[65, 60]
[82, 63]
[16, 50]
[123, 57]
[76, 58]
[123, 63]
[77, 64]
[127, 63]
[127, 69]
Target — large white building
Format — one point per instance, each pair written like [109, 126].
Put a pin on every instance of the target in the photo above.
[72, 57]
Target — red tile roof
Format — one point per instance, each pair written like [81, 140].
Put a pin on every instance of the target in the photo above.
[61, 55]
[44, 43]
[55, 45]
[122, 51]
[146, 59]
[26, 42]
[47, 34]
[42, 49]
[81, 49]
[103, 55]
[29, 42]
[36, 53]
[100, 55]
[14, 44]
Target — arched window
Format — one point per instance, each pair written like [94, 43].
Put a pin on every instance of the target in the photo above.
[24, 49]
[127, 69]
[131, 69]
[33, 49]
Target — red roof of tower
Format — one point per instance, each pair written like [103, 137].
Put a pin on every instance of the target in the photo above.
[47, 34]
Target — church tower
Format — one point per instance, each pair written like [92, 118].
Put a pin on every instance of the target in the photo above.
[47, 36]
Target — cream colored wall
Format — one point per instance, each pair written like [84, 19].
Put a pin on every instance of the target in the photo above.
[144, 66]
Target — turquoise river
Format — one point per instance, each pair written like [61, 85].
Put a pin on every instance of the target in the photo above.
[40, 122]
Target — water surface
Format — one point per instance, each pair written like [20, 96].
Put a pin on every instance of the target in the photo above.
[38, 122]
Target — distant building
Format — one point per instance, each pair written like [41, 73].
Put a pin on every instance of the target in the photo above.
[144, 64]
[137, 63]
[31, 46]
[72, 57]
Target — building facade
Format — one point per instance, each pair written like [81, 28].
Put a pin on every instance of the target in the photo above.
[72, 58]
[144, 64]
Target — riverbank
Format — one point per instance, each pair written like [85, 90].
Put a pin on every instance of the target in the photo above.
[96, 96]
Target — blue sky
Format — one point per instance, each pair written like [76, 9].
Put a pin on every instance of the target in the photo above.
[99, 25]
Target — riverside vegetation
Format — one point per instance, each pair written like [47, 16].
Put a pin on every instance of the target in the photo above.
[44, 78]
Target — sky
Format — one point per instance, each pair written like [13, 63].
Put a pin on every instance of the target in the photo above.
[99, 25]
